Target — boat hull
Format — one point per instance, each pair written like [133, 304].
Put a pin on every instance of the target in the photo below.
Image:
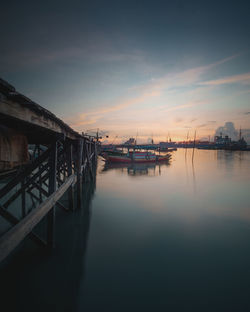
[122, 159]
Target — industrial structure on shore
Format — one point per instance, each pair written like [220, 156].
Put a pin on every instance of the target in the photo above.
[220, 142]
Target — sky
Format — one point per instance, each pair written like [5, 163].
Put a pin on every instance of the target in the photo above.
[151, 69]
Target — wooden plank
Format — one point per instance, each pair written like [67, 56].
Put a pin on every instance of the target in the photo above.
[52, 189]
[58, 204]
[40, 176]
[79, 172]
[23, 199]
[95, 151]
[13, 220]
[89, 162]
[92, 156]
[24, 173]
[84, 164]
[69, 159]
[34, 184]
[41, 189]
[15, 235]
[33, 195]
[26, 184]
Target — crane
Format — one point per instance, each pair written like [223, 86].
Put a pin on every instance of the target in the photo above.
[98, 133]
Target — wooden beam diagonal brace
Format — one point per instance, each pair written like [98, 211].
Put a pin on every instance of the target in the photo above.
[13, 220]
[25, 185]
[15, 235]
[24, 173]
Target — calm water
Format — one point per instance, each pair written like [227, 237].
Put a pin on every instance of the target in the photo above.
[150, 238]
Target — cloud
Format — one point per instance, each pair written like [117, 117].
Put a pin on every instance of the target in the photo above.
[97, 49]
[229, 129]
[179, 120]
[243, 78]
[171, 82]
[93, 116]
[178, 107]
[246, 134]
[202, 125]
[246, 113]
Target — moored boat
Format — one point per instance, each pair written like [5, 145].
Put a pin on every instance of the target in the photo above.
[137, 157]
[115, 152]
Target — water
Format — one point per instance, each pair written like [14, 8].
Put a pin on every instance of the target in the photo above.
[150, 238]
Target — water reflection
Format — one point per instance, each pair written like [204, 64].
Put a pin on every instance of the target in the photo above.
[190, 162]
[231, 160]
[150, 169]
[41, 280]
[194, 177]
[151, 243]
[165, 239]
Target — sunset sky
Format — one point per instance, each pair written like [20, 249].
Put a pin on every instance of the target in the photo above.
[156, 68]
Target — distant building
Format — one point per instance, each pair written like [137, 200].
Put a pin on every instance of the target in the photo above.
[227, 143]
[219, 140]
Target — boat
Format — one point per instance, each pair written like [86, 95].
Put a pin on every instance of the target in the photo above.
[136, 157]
[114, 152]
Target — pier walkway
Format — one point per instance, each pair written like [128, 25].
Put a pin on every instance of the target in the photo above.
[60, 161]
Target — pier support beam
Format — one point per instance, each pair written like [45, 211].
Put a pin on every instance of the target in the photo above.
[95, 149]
[23, 198]
[79, 171]
[88, 153]
[69, 154]
[52, 189]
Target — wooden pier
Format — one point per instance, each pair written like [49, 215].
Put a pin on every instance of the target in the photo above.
[61, 160]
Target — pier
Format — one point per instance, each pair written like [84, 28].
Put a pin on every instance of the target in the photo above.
[60, 162]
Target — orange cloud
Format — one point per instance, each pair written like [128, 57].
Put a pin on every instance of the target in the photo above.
[154, 88]
[243, 78]
[93, 116]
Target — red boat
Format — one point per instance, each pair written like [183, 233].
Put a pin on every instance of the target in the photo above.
[136, 157]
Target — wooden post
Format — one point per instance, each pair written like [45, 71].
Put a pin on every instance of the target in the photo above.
[23, 198]
[52, 189]
[69, 166]
[96, 154]
[88, 153]
[40, 177]
[87, 162]
[24, 227]
[84, 161]
[79, 172]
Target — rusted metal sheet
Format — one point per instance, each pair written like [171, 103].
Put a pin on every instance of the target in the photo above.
[13, 149]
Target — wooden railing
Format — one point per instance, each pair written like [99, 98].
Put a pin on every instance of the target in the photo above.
[38, 187]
